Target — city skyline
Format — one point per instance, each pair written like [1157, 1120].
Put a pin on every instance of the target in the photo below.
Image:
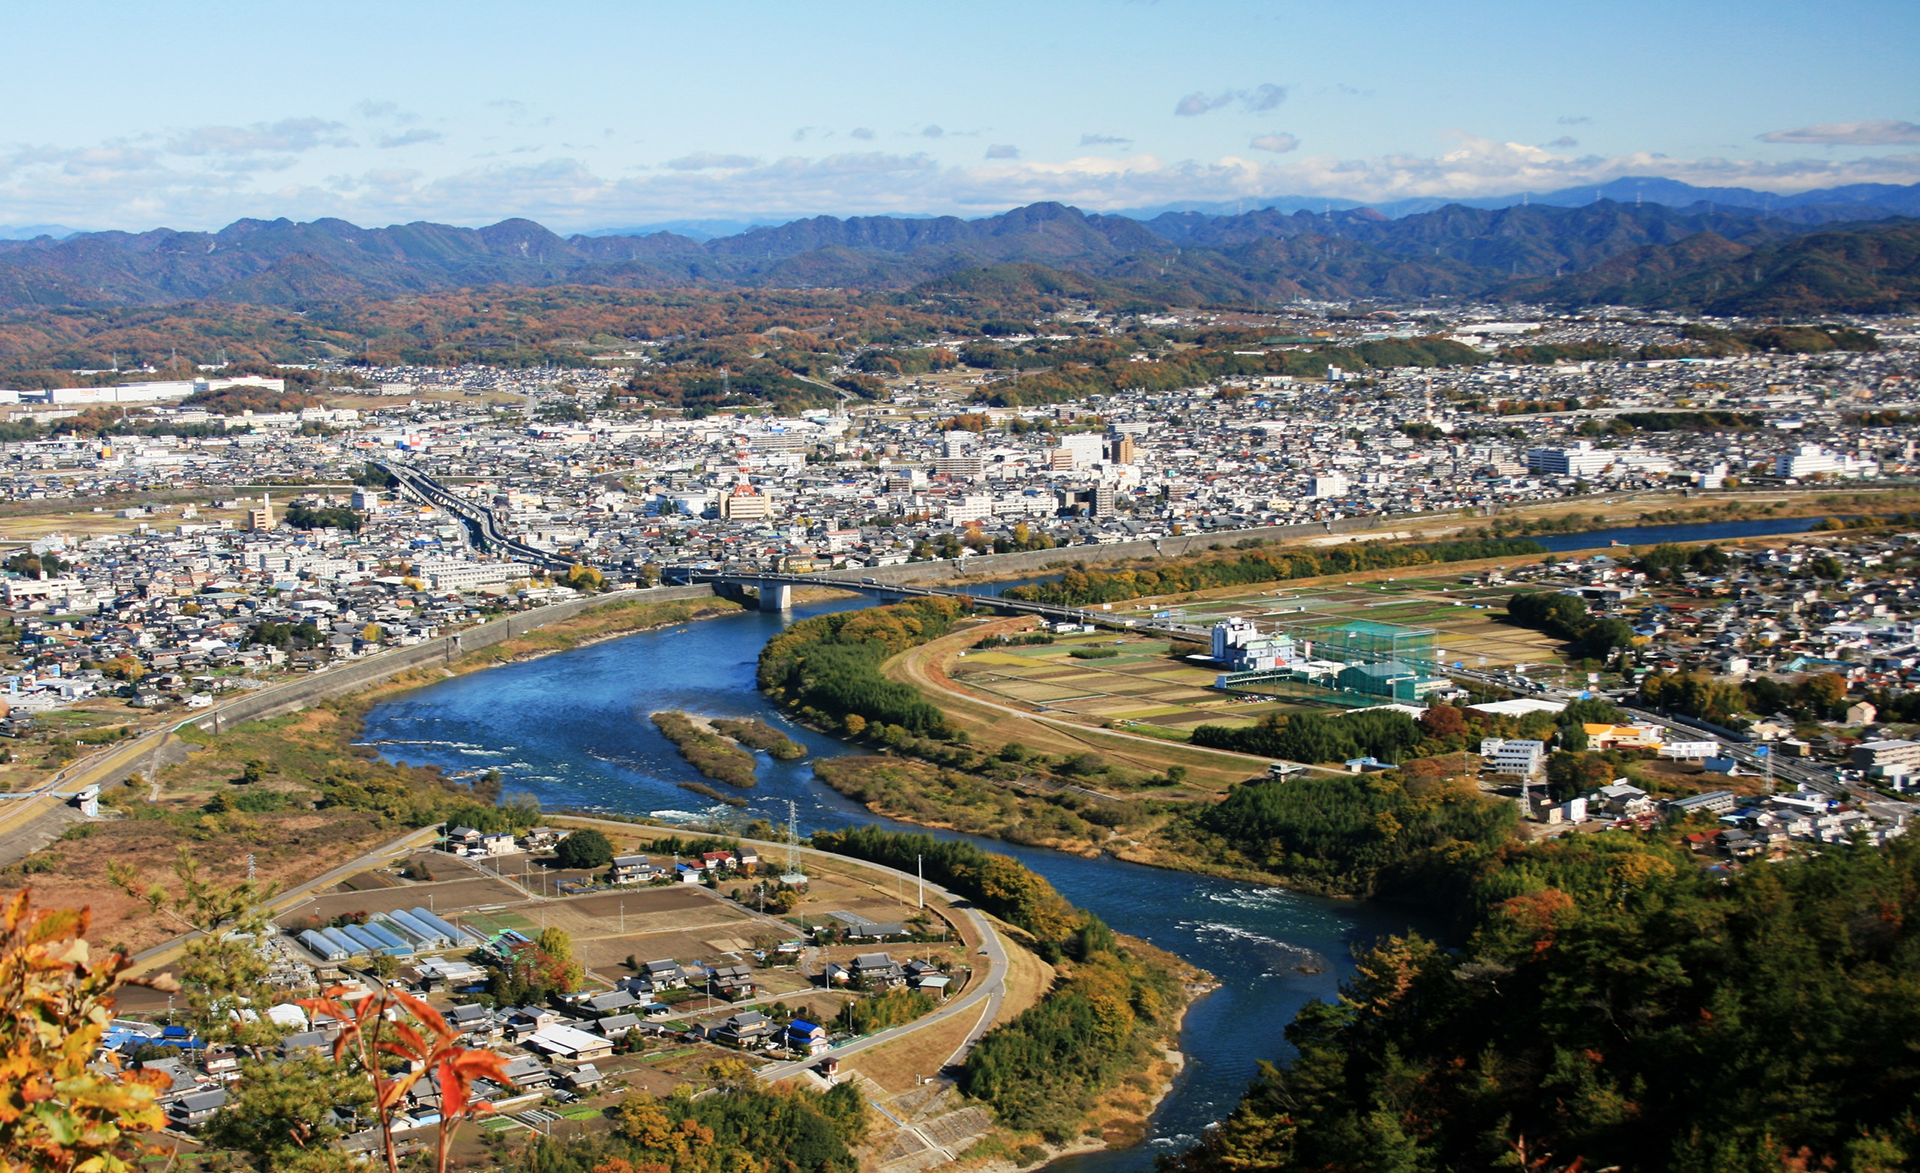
[608, 116]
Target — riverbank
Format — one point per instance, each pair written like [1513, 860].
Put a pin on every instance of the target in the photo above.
[1121, 1116]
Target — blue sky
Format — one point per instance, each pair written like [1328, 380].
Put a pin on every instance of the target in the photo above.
[583, 114]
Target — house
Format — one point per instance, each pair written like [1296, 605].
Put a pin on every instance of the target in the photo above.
[527, 1073]
[463, 837]
[635, 869]
[523, 1021]
[617, 1026]
[718, 861]
[1623, 798]
[472, 1021]
[583, 1077]
[570, 1044]
[744, 1029]
[499, 843]
[663, 975]
[194, 1108]
[877, 971]
[731, 982]
[311, 1042]
[805, 1037]
[611, 1002]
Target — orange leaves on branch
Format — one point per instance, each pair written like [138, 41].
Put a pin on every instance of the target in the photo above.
[57, 1112]
[378, 1029]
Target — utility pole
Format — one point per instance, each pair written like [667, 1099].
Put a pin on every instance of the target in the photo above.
[920, 875]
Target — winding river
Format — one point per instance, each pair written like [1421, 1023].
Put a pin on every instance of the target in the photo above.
[572, 729]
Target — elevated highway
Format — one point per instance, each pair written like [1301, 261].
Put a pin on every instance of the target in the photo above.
[486, 529]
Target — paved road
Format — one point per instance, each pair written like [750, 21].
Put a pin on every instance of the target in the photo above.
[989, 993]
[76, 776]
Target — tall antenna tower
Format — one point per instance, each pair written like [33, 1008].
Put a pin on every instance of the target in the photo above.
[794, 876]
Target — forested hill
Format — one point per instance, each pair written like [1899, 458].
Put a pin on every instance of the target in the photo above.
[1616, 1006]
[1653, 254]
[1870, 268]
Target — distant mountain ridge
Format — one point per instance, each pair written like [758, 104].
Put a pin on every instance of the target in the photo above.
[1537, 249]
[1858, 201]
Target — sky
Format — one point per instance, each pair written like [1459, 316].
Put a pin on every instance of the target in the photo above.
[589, 115]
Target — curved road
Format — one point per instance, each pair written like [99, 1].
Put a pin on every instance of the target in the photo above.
[990, 992]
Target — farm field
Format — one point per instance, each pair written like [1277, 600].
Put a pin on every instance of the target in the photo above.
[1146, 687]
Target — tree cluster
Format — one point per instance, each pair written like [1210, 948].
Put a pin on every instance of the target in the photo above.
[1613, 1005]
[1079, 586]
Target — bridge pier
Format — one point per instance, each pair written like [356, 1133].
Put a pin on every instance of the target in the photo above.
[776, 597]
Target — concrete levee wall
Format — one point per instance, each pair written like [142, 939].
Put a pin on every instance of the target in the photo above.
[338, 681]
[991, 566]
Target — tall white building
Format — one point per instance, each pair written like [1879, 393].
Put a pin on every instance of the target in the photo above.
[1330, 484]
[1084, 449]
[1583, 459]
[1811, 460]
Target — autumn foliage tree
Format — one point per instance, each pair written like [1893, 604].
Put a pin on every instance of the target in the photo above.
[60, 1112]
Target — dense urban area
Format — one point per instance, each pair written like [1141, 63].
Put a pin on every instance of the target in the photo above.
[179, 543]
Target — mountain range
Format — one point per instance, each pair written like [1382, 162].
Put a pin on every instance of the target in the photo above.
[1801, 259]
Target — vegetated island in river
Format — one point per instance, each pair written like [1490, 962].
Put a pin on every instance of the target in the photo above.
[705, 750]
[757, 734]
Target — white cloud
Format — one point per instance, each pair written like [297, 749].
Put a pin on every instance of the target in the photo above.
[1198, 103]
[1279, 142]
[1256, 100]
[1263, 97]
[933, 132]
[289, 134]
[1003, 151]
[708, 160]
[1882, 133]
[862, 132]
[1104, 140]
[136, 187]
[408, 138]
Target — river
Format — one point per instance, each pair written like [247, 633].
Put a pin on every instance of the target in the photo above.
[572, 729]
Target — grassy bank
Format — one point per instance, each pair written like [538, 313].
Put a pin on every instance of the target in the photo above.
[1019, 812]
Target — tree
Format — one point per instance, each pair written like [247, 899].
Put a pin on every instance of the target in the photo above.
[585, 848]
[1443, 721]
[222, 968]
[393, 1025]
[282, 1115]
[584, 578]
[58, 1110]
[1571, 774]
